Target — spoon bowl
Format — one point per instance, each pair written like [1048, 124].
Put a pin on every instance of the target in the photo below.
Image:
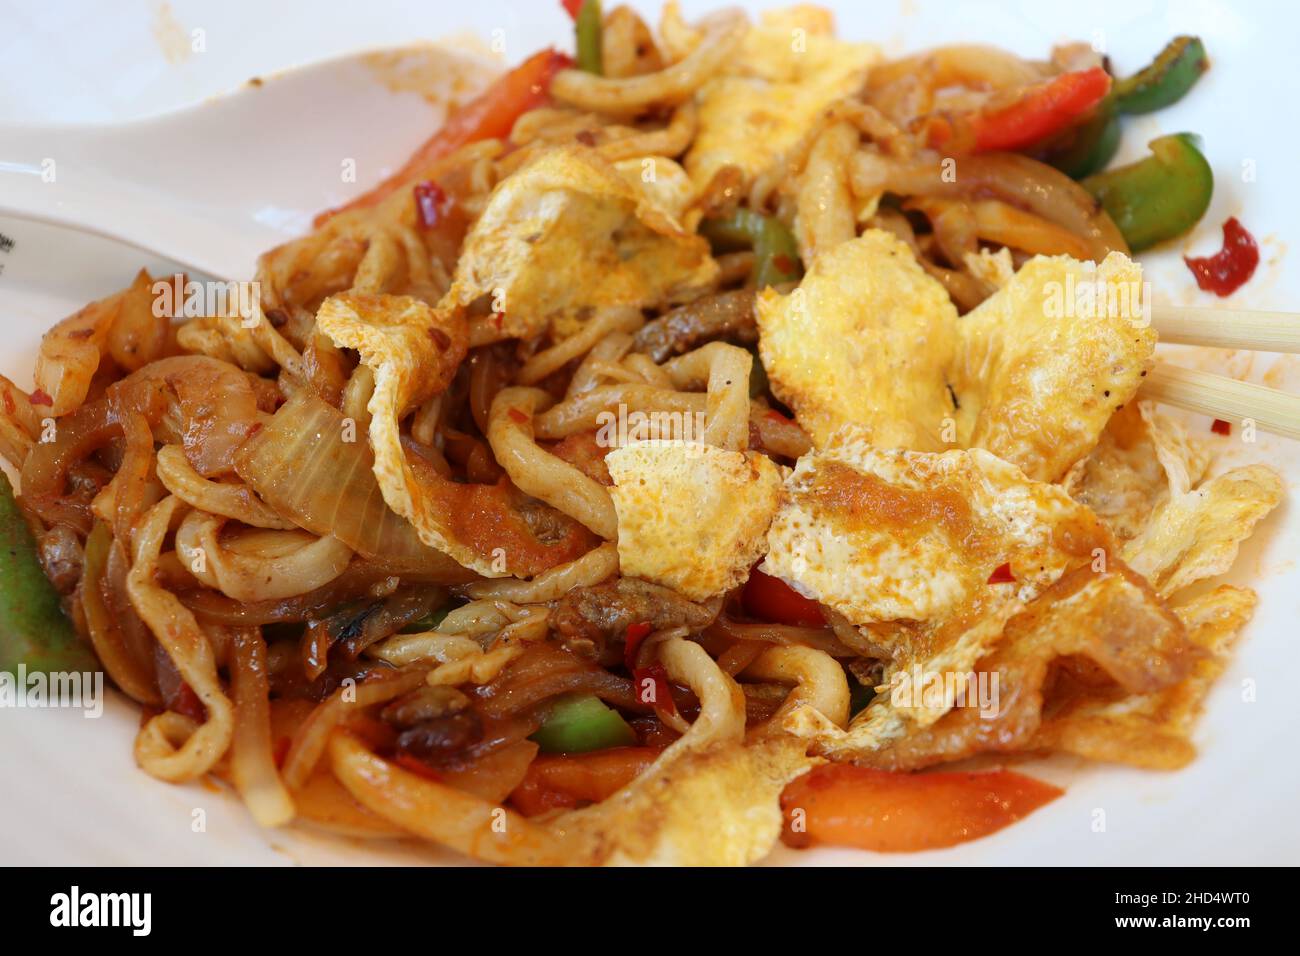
[217, 184]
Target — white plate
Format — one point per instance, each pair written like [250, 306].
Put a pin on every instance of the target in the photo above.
[72, 793]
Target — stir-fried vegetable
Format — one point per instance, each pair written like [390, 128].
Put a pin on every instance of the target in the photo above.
[776, 256]
[580, 723]
[1159, 197]
[1040, 111]
[587, 26]
[34, 631]
[490, 115]
[1166, 81]
[771, 599]
[844, 805]
[1090, 145]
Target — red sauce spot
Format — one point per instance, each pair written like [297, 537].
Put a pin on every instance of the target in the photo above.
[518, 416]
[1232, 266]
[1220, 427]
[1002, 575]
[431, 203]
[41, 398]
[636, 635]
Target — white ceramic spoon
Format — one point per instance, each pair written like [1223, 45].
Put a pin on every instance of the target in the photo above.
[215, 185]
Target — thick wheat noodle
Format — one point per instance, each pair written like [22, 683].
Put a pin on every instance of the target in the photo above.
[276, 345]
[644, 365]
[378, 266]
[723, 33]
[539, 473]
[818, 679]
[252, 761]
[478, 827]
[356, 396]
[158, 749]
[615, 372]
[582, 412]
[283, 563]
[725, 370]
[825, 203]
[428, 647]
[613, 319]
[671, 141]
[609, 349]
[233, 500]
[598, 564]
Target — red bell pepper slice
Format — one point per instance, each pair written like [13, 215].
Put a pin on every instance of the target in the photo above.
[771, 599]
[844, 805]
[490, 115]
[1041, 110]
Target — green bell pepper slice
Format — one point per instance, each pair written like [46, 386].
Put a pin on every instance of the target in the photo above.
[1166, 81]
[580, 723]
[1159, 197]
[776, 256]
[34, 631]
[588, 26]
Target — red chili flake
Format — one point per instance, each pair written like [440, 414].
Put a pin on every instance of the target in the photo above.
[254, 429]
[572, 7]
[636, 635]
[1232, 266]
[498, 318]
[776, 416]
[39, 397]
[1220, 427]
[431, 203]
[518, 416]
[1002, 575]
[663, 702]
[783, 263]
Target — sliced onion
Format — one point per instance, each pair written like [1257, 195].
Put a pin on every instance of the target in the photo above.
[126, 669]
[252, 762]
[206, 405]
[302, 467]
[1015, 179]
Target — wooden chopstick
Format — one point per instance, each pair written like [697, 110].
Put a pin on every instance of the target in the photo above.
[1269, 408]
[1227, 328]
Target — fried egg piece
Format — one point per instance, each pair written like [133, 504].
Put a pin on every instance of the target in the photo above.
[886, 535]
[789, 69]
[866, 339]
[568, 233]
[1143, 457]
[1155, 730]
[1094, 635]
[413, 352]
[1041, 367]
[692, 517]
[1197, 534]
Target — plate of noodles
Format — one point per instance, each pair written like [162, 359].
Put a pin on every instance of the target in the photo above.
[739, 435]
